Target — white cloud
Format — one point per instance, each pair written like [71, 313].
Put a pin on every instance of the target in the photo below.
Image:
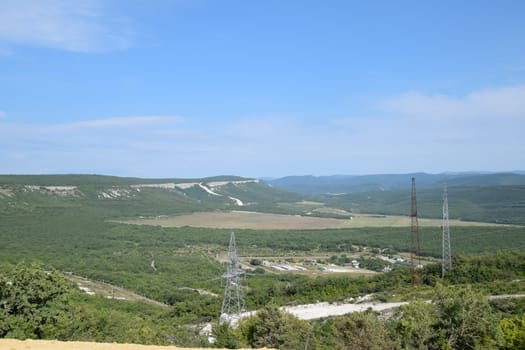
[413, 116]
[97, 134]
[3, 114]
[79, 26]
[492, 104]
[482, 130]
[119, 122]
[494, 116]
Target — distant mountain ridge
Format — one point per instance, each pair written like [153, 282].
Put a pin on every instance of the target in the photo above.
[342, 184]
[142, 196]
[102, 180]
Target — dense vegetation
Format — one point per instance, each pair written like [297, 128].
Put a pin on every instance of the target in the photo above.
[75, 233]
[496, 198]
[496, 204]
[316, 185]
[112, 197]
[456, 319]
[38, 304]
[42, 304]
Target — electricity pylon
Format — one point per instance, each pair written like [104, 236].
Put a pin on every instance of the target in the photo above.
[233, 304]
[446, 263]
[415, 260]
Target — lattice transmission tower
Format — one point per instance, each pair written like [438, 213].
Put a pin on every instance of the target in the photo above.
[415, 259]
[446, 263]
[233, 304]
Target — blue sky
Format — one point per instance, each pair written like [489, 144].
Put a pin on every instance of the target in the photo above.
[192, 88]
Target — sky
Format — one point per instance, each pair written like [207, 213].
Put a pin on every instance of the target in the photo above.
[261, 88]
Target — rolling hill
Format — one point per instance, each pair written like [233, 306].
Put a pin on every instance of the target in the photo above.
[495, 204]
[494, 198]
[341, 184]
[116, 196]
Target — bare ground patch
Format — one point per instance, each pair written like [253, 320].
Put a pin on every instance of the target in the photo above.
[5, 192]
[13, 344]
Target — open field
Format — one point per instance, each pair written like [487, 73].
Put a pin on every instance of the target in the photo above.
[265, 221]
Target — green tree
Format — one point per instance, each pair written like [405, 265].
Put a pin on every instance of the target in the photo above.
[465, 319]
[271, 327]
[362, 331]
[513, 332]
[415, 325]
[28, 302]
[225, 336]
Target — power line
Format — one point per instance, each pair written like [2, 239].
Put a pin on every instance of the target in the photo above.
[446, 263]
[233, 304]
[415, 259]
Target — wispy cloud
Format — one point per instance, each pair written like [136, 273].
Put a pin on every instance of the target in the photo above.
[482, 130]
[3, 114]
[492, 104]
[110, 143]
[124, 132]
[117, 122]
[79, 26]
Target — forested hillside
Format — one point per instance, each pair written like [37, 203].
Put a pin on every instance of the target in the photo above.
[341, 184]
[495, 198]
[115, 196]
[496, 204]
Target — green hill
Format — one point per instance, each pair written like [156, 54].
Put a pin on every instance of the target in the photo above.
[339, 184]
[497, 204]
[495, 198]
[117, 196]
[99, 180]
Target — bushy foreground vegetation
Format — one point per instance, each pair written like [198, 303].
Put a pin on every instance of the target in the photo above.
[38, 304]
[35, 303]
[456, 318]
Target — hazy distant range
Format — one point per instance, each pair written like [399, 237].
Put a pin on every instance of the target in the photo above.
[339, 184]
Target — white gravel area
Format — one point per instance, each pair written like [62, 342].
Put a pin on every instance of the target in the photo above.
[324, 309]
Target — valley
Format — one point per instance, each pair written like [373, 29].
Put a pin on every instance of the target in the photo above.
[160, 245]
[292, 175]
